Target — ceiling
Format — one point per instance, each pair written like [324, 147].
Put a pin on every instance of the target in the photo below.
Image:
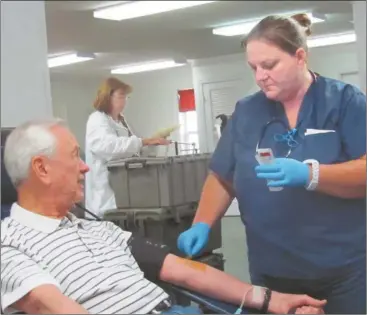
[185, 33]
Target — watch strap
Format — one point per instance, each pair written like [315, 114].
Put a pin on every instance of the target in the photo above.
[267, 297]
[315, 167]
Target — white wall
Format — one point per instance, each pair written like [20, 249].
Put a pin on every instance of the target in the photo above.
[329, 61]
[25, 84]
[332, 61]
[72, 100]
[152, 105]
[359, 17]
[224, 68]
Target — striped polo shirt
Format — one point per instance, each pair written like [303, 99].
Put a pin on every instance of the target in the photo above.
[89, 261]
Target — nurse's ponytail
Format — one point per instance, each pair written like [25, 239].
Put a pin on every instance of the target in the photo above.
[287, 33]
[303, 20]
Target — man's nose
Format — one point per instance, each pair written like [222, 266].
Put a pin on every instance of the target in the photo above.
[84, 168]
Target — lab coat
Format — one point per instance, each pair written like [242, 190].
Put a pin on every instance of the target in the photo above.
[106, 140]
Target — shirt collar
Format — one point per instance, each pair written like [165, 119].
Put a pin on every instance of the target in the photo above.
[36, 221]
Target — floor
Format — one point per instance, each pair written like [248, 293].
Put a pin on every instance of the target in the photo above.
[234, 248]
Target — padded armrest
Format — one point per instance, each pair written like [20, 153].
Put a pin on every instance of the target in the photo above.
[5, 210]
[215, 306]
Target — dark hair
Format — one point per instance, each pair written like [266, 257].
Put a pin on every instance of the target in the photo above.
[289, 34]
[102, 102]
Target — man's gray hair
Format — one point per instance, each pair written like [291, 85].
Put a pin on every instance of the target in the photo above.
[27, 141]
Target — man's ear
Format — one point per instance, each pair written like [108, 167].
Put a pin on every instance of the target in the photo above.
[301, 56]
[40, 168]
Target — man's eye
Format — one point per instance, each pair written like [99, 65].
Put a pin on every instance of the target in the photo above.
[76, 153]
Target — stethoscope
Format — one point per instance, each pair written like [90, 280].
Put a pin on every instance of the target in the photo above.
[291, 133]
[288, 137]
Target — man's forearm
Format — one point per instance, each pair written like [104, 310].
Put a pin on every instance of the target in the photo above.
[345, 180]
[219, 285]
[47, 299]
[69, 307]
[214, 283]
[204, 279]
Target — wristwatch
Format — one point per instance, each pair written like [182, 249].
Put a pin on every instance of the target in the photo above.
[315, 168]
[261, 298]
[267, 297]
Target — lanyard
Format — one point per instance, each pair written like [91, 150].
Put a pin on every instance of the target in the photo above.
[117, 125]
[123, 121]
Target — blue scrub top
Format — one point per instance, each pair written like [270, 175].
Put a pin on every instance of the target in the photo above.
[295, 233]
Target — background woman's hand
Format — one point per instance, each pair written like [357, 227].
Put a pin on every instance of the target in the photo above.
[281, 303]
[156, 141]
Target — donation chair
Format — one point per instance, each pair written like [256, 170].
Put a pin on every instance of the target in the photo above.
[209, 305]
[213, 306]
[8, 193]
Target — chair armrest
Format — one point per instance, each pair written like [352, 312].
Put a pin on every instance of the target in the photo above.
[5, 210]
[214, 305]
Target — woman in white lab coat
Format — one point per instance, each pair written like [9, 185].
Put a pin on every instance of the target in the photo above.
[109, 137]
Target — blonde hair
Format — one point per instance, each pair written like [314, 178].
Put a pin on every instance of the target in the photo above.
[102, 102]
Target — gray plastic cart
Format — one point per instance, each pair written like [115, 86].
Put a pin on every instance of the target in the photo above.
[158, 182]
[163, 225]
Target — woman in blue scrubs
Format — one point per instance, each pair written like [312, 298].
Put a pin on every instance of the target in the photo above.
[309, 237]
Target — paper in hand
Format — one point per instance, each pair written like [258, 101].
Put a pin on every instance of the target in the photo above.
[166, 132]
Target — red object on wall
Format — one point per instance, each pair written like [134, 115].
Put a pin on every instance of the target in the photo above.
[186, 100]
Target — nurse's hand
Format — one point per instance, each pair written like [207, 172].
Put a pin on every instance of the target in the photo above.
[282, 303]
[192, 241]
[284, 172]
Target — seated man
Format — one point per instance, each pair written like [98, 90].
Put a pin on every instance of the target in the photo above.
[53, 262]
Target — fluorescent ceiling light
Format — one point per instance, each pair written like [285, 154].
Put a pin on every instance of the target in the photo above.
[136, 9]
[68, 59]
[149, 66]
[333, 39]
[246, 27]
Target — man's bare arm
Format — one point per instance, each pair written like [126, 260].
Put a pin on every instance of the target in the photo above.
[203, 278]
[48, 299]
[219, 285]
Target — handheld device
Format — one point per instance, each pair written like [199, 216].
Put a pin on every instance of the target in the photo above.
[265, 156]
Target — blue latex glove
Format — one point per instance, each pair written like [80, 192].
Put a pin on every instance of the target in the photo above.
[284, 172]
[192, 241]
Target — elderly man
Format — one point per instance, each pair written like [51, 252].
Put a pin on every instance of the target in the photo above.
[53, 262]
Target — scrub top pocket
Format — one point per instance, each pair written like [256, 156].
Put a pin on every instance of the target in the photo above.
[323, 147]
